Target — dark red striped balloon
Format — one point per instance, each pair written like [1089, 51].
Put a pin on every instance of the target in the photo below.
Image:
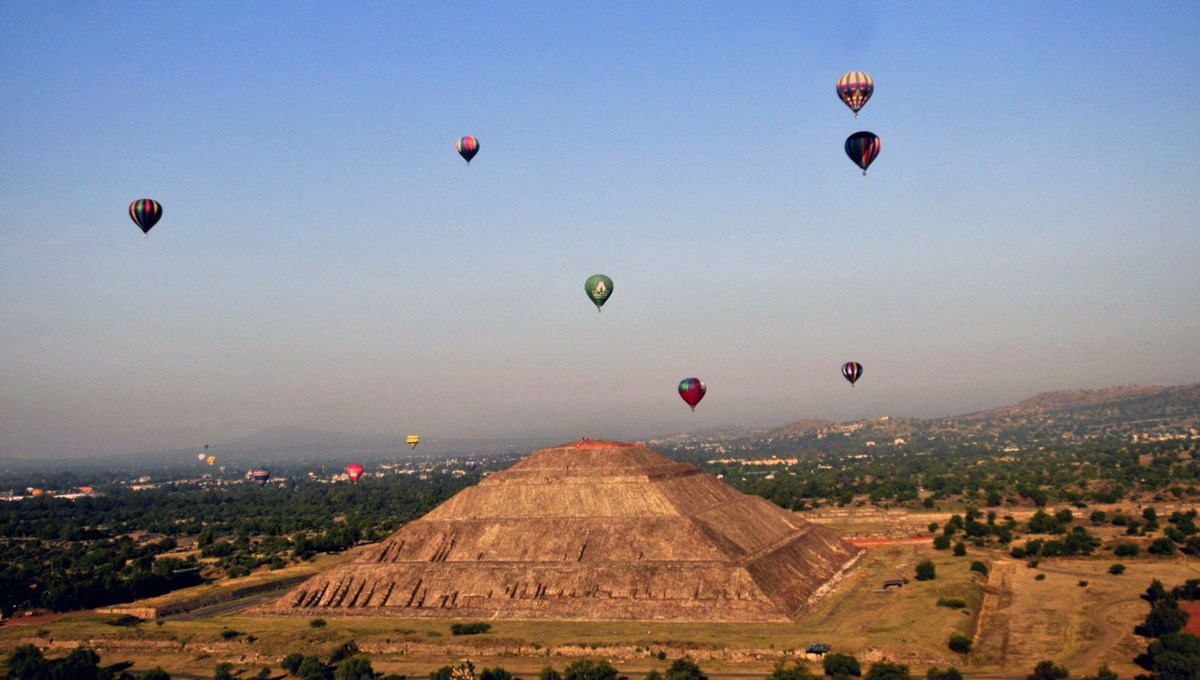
[863, 148]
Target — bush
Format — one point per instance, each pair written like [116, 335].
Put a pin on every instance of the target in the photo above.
[960, 549]
[229, 634]
[223, 671]
[1083, 584]
[496, 673]
[470, 628]
[1125, 550]
[1046, 670]
[1040, 577]
[587, 669]
[548, 673]
[1162, 546]
[979, 567]
[316, 623]
[797, 671]
[888, 670]
[960, 644]
[291, 662]
[1117, 569]
[925, 570]
[684, 669]
[941, 542]
[952, 602]
[841, 666]
[950, 673]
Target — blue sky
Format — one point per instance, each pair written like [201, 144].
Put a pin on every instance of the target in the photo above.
[325, 259]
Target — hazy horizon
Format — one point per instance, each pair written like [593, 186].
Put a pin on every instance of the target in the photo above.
[326, 260]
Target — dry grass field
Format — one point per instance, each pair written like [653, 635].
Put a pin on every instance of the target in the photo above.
[1015, 619]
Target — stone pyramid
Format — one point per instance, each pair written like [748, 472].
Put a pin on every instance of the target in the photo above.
[594, 530]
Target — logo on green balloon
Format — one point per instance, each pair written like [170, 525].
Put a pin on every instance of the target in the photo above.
[598, 287]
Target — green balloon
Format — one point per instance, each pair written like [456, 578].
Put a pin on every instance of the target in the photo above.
[598, 287]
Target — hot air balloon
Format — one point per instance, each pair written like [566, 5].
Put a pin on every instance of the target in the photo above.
[598, 287]
[467, 148]
[862, 148]
[211, 460]
[201, 456]
[261, 476]
[413, 440]
[692, 390]
[472, 463]
[145, 212]
[852, 371]
[354, 471]
[855, 88]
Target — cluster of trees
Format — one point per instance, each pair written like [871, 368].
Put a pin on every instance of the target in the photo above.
[1172, 652]
[28, 663]
[980, 475]
[86, 574]
[63, 555]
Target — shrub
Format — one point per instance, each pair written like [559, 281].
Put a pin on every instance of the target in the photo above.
[470, 628]
[1046, 670]
[587, 669]
[979, 567]
[941, 542]
[952, 602]
[291, 662]
[1125, 550]
[316, 623]
[684, 669]
[925, 570]
[888, 670]
[841, 666]
[1117, 569]
[229, 634]
[1083, 584]
[950, 673]
[960, 549]
[1040, 577]
[960, 644]
[797, 671]
[1162, 546]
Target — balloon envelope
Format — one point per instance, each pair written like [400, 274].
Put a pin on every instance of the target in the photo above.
[413, 440]
[472, 464]
[467, 148]
[692, 390]
[354, 471]
[863, 148]
[145, 212]
[261, 476]
[598, 287]
[852, 371]
[854, 89]
[211, 460]
[201, 456]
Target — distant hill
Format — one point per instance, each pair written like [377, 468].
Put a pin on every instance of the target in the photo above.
[1135, 413]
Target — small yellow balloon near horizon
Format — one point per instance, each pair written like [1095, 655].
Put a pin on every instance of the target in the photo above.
[413, 440]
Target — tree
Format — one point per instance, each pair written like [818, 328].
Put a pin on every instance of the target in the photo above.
[586, 669]
[841, 666]
[796, 671]
[81, 664]
[312, 668]
[26, 662]
[1046, 670]
[1117, 569]
[888, 670]
[291, 662]
[1175, 655]
[223, 671]
[496, 673]
[960, 549]
[941, 542]
[1165, 617]
[684, 669]
[548, 673]
[155, 673]
[925, 570]
[1162, 546]
[950, 673]
[960, 644]
[354, 668]
[1102, 673]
